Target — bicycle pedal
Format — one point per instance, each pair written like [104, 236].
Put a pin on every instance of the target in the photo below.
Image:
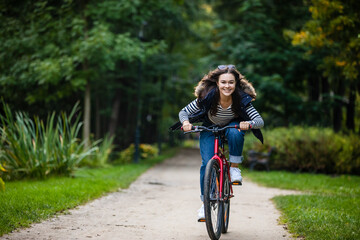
[236, 183]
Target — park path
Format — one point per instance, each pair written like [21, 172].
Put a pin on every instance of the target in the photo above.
[163, 204]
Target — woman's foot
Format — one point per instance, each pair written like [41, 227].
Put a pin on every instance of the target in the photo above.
[201, 214]
[235, 174]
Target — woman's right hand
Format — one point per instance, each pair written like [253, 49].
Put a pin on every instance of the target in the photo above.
[186, 126]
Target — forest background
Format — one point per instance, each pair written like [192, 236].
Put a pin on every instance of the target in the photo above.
[132, 65]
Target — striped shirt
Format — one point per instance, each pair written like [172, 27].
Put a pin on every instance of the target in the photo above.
[223, 115]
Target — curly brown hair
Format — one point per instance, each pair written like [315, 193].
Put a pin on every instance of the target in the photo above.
[209, 81]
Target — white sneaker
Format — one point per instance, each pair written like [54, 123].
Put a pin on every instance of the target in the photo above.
[235, 174]
[201, 214]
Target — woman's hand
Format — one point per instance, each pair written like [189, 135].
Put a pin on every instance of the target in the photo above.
[186, 126]
[244, 125]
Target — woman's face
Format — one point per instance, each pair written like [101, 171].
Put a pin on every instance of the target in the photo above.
[226, 84]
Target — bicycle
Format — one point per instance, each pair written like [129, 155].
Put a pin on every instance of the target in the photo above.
[217, 184]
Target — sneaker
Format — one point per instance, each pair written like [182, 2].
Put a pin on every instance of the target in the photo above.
[235, 174]
[201, 214]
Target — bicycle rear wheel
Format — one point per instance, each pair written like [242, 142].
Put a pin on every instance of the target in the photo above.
[226, 203]
[214, 212]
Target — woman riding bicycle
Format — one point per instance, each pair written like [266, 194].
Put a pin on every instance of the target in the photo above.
[223, 98]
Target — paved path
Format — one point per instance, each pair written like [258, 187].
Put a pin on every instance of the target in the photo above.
[163, 204]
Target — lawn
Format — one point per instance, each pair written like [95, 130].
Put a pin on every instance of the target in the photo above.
[28, 201]
[328, 209]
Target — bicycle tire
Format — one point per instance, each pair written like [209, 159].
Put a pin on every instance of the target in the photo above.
[214, 213]
[226, 203]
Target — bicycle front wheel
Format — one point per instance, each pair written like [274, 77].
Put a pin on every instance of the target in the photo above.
[214, 208]
[227, 194]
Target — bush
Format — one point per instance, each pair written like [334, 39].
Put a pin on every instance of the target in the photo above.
[128, 154]
[30, 148]
[312, 149]
[2, 185]
[101, 154]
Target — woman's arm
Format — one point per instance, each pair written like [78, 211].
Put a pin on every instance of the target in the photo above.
[256, 120]
[191, 108]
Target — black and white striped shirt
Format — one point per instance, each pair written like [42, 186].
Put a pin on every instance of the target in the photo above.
[223, 115]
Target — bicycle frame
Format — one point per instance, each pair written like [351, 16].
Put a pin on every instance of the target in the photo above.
[218, 152]
[221, 159]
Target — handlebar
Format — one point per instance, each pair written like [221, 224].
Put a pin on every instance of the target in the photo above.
[195, 129]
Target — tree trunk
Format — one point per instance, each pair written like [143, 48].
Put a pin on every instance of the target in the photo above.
[326, 102]
[314, 88]
[87, 115]
[337, 109]
[97, 119]
[350, 109]
[87, 97]
[159, 115]
[325, 88]
[115, 114]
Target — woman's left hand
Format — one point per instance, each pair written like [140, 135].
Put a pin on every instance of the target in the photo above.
[244, 126]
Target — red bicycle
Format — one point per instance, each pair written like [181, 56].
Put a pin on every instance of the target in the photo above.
[217, 184]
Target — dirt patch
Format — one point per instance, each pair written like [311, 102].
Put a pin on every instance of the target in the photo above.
[163, 204]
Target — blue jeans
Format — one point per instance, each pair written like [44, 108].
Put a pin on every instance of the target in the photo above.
[235, 141]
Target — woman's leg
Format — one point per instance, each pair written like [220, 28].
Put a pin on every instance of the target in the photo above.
[207, 152]
[236, 143]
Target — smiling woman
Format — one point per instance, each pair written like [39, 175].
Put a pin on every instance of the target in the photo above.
[224, 97]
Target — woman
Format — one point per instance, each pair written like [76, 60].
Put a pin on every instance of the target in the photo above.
[223, 98]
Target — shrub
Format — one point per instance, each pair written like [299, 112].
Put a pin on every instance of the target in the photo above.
[30, 148]
[127, 155]
[2, 184]
[312, 149]
[101, 154]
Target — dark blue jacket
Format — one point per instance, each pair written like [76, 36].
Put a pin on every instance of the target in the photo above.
[205, 105]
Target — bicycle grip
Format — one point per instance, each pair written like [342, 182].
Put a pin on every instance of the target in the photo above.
[238, 126]
[192, 128]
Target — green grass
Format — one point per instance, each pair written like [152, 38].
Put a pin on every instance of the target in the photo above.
[329, 209]
[28, 201]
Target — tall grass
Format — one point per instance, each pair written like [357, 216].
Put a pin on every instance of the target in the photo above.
[101, 154]
[34, 149]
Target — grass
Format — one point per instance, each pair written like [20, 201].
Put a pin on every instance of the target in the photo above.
[28, 201]
[329, 209]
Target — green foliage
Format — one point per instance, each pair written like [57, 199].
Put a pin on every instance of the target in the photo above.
[2, 185]
[312, 149]
[127, 155]
[333, 28]
[32, 148]
[100, 156]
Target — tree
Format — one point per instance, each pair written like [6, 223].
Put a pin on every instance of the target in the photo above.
[332, 34]
[56, 53]
[253, 35]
